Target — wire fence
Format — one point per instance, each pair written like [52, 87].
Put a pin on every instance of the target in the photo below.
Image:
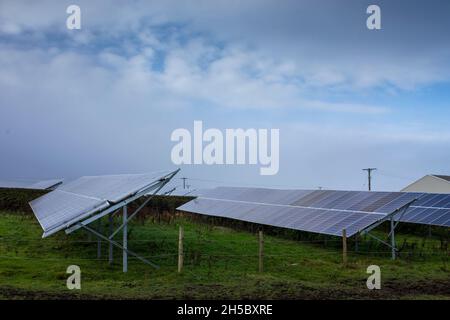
[225, 248]
[205, 251]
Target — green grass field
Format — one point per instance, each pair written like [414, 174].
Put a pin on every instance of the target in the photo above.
[220, 263]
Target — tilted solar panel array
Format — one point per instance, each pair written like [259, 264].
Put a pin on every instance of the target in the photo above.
[46, 184]
[58, 208]
[430, 209]
[319, 211]
[77, 200]
[112, 188]
[37, 185]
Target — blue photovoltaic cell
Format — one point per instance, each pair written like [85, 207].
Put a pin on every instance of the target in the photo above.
[432, 216]
[412, 213]
[444, 203]
[425, 199]
[430, 209]
[342, 224]
[443, 220]
[434, 200]
[398, 202]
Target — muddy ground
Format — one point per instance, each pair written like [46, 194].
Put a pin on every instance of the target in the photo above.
[389, 290]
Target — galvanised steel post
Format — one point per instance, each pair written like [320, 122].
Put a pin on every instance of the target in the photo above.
[125, 236]
[111, 225]
[392, 238]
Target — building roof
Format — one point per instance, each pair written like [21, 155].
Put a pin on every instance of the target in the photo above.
[447, 178]
[431, 183]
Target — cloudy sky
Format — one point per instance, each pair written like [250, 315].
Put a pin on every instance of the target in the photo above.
[106, 98]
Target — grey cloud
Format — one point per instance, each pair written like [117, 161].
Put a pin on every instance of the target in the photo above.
[93, 102]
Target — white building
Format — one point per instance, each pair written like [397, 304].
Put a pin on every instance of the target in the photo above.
[431, 183]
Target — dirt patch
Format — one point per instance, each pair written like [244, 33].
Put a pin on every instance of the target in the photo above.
[11, 293]
[389, 290]
[276, 291]
[283, 291]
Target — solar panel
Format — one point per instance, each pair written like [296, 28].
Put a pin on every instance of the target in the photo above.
[430, 209]
[58, 208]
[112, 188]
[38, 185]
[85, 196]
[318, 211]
[46, 184]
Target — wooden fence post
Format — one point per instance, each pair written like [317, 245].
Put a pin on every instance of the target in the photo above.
[180, 249]
[261, 251]
[344, 246]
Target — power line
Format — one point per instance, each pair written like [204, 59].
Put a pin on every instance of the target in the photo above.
[396, 176]
[241, 183]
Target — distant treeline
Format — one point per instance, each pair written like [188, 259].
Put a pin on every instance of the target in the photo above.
[16, 200]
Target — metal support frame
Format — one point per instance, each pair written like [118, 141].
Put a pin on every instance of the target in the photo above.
[393, 249]
[120, 246]
[391, 218]
[111, 248]
[99, 241]
[111, 209]
[125, 221]
[125, 239]
[154, 188]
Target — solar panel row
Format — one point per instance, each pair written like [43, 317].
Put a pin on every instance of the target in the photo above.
[428, 216]
[81, 198]
[433, 200]
[380, 202]
[38, 185]
[323, 221]
[112, 188]
[320, 211]
[430, 209]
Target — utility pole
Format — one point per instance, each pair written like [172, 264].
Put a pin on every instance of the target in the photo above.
[184, 182]
[369, 176]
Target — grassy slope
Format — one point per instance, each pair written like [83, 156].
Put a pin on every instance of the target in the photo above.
[220, 263]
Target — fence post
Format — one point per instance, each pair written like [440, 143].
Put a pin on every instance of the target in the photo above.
[261, 251]
[344, 246]
[180, 249]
